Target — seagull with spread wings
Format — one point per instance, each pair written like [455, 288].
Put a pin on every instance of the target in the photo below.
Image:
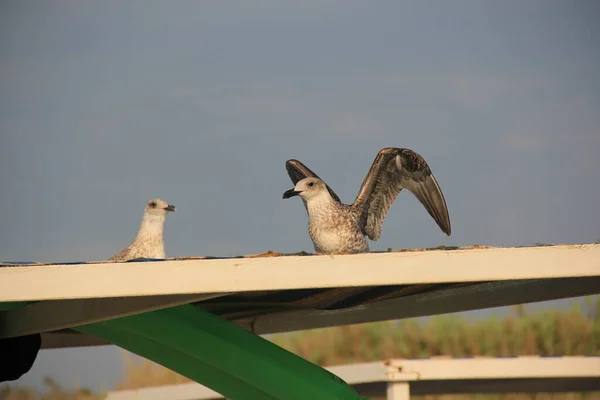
[335, 227]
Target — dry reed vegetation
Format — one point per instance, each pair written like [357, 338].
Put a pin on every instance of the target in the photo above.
[53, 392]
[551, 333]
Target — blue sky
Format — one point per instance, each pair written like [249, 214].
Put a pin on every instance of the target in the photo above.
[104, 105]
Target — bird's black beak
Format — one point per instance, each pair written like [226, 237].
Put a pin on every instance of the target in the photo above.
[170, 207]
[290, 193]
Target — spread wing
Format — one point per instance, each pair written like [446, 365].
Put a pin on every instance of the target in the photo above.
[393, 170]
[298, 171]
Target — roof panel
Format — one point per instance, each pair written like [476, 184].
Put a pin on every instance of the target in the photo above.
[286, 293]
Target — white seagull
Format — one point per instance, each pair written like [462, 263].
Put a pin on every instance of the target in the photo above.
[335, 227]
[149, 242]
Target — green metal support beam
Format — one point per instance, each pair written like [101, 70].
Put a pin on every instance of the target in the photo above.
[221, 355]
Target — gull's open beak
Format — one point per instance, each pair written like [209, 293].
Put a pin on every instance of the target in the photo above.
[170, 207]
[290, 193]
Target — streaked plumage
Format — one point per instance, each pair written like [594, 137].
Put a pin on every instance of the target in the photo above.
[336, 227]
[149, 242]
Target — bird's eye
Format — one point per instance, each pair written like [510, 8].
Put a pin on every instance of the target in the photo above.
[153, 204]
[311, 184]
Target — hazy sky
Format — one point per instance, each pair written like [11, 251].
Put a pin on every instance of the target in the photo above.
[106, 104]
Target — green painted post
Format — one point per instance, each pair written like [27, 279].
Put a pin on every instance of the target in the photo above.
[221, 355]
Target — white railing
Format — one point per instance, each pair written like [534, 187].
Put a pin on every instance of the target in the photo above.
[399, 377]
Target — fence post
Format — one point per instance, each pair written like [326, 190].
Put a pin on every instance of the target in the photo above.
[398, 391]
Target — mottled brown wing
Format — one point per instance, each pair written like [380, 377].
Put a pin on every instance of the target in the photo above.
[395, 169]
[298, 171]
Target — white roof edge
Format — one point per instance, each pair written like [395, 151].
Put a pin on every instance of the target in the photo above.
[103, 280]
